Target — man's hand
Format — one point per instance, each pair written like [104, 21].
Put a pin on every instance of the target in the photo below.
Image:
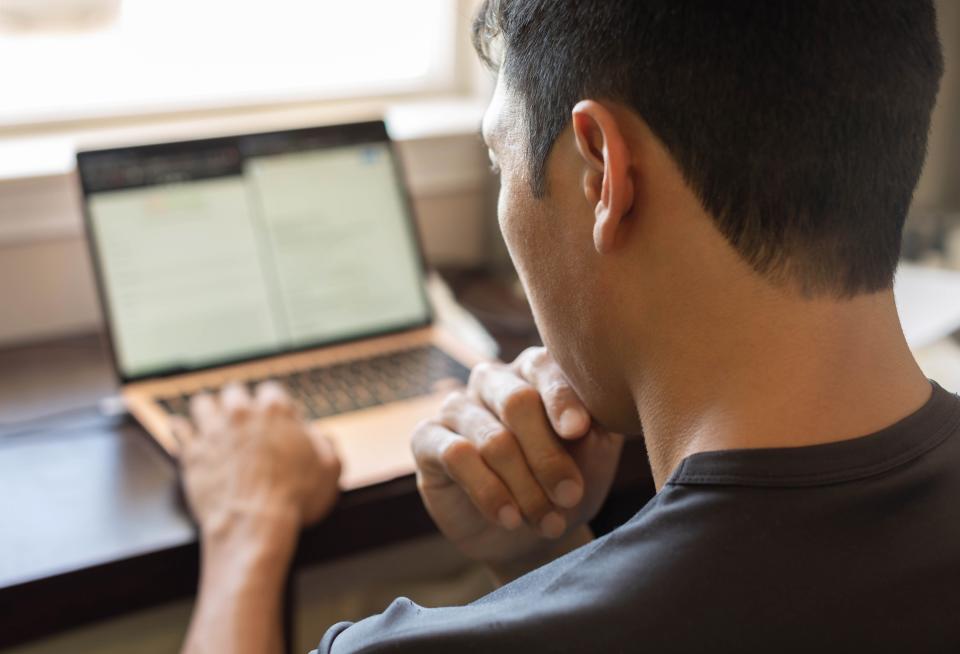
[512, 469]
[253, 475]
[254, 457]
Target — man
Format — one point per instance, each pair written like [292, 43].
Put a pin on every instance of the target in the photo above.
[704, 200]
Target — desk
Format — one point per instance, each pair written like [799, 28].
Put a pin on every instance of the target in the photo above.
[92, 523]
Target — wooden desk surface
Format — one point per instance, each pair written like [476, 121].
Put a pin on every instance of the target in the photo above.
[91, 522]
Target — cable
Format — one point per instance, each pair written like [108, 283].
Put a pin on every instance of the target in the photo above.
[53, 421]
[45, 417]
[51, 430]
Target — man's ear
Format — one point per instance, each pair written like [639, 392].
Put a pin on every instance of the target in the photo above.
[607, 181]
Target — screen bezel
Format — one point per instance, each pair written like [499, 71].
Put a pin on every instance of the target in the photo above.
[333, 136]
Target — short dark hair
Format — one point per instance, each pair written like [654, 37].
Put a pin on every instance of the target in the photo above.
[800, 124]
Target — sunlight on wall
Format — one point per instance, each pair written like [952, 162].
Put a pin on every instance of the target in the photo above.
[176, 54]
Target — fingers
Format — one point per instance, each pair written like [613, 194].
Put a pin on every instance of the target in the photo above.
[436, 448]
[273, 399]
[567, 414]
[205, 412]
[493, 384]
[235, 402]
[519, 408]
[502, 453]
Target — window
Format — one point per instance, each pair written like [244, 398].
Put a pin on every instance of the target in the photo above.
[178, 55]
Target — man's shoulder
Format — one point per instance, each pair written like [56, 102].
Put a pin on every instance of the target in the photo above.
[876, 545]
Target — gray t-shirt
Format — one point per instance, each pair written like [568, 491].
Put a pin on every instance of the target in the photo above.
[851, 546]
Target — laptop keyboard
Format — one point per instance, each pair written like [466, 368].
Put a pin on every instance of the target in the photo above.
[359, 384]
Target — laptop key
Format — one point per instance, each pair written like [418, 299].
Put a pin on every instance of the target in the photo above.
[362, 383]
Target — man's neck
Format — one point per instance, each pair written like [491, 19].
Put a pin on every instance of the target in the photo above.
[787, 374]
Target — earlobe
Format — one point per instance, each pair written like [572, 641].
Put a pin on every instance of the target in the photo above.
[607, 182]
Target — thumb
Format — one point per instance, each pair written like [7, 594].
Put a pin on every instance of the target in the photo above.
[567, 414]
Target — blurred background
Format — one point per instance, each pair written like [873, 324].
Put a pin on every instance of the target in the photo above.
[83, 74]
[96, 73]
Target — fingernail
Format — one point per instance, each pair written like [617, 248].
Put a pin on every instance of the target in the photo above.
[553, 525]
[568, 493]
[573, 422]
[509, 517]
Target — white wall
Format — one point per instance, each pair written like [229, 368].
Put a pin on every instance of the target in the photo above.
[46, 286]
[939, 188]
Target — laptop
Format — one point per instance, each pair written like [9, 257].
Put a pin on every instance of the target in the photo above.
[290, 256]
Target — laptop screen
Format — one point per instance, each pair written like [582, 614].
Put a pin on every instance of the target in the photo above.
[218, 251]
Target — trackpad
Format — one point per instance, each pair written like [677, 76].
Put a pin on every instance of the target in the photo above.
[374, 444]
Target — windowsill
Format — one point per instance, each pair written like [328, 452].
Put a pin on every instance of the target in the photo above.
[46, 151]
[38, 197]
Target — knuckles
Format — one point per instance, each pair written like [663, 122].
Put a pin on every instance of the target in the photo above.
[555, 391]
[452, 403]
[239, 414]
[457, 454]
[276, 406]
[497, 446]
[480, 373]
[535, 357]
[552, 463]
[420, 438]
[422, 428]
[520, 404]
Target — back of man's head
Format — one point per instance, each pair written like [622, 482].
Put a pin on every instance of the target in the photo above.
[800, 126]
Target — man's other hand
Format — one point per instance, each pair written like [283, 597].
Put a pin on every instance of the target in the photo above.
[512, 469]
[252, 457]
[253, 474]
